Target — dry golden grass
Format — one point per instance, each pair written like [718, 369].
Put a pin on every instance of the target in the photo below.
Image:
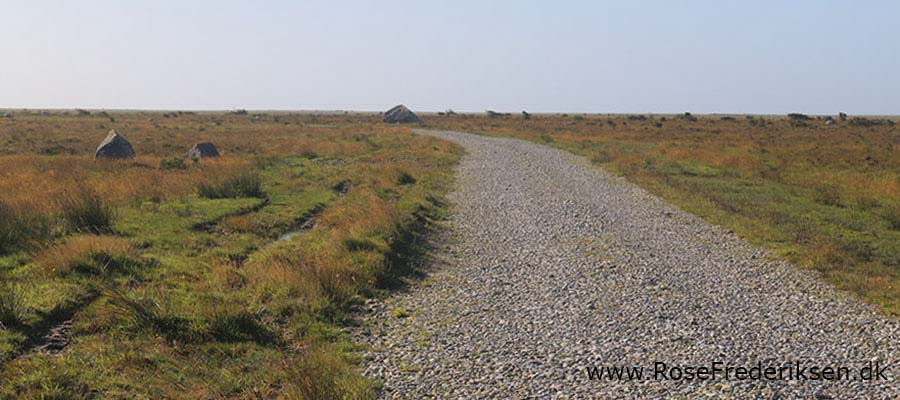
[88, 253]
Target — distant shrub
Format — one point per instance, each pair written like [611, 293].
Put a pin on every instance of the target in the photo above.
[867, 122]
[828, 195]
[730, 119]
[526, 115]
[637, 118]
[309, 154]
[579, 117]
[799, 117]
[172, 163]
[406, 179]
[239, 112]
[798, 123]
[687, 117]
[601, 157]
[85, 211]
[760, 122]
[242, 185]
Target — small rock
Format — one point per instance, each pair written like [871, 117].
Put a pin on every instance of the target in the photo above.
[203, 150]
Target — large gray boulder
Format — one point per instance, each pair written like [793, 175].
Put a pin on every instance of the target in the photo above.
[203, 150]
[401, 115]
[114, 147]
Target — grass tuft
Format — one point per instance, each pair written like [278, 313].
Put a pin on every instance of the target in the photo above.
[85, 211]
[17, 230]
[147, 312]
[323, 374]
[406, 179]
[241, 185]
[12, 307]
[239, 327]
[172, 163]
[90, 255]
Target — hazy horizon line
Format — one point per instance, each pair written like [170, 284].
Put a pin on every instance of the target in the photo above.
[421, 111]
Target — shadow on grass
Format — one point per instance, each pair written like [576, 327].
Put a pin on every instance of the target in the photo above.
[149, 313]
[411, 252]
[37, 333]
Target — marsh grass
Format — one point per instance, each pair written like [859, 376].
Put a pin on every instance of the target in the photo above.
[174, 279]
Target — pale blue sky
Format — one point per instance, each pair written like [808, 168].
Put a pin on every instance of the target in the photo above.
[575, 56]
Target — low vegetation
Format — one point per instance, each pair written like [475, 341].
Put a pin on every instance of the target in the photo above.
[218, 278]
[826, 197]
[233, 187]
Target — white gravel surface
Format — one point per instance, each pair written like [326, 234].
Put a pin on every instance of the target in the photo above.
[554, 266]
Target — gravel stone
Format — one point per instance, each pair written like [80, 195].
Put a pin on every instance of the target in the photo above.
[554, 265]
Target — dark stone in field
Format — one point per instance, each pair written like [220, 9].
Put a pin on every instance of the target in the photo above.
[829, 121]
[203, 150]
[400, 115]
[114, 147]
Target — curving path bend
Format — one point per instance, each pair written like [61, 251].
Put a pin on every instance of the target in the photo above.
[555, 266]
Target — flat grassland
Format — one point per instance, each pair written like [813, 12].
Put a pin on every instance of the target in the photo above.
[159, 277]
[825, 197]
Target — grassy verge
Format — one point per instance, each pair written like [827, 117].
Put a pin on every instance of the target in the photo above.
[226, 278]
[825, 197]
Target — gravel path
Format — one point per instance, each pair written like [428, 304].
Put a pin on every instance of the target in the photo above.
[555, 266]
